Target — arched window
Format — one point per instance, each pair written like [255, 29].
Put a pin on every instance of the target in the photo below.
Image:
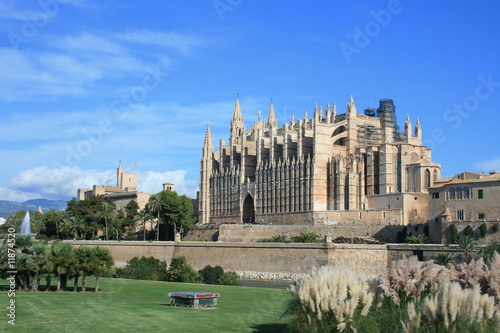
[459, 193]
[452, 193]
[466, 192]
[435, 175]
[427, 178]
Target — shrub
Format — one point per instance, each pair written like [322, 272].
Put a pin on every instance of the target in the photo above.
[144, 269]
[216, 275]
[468, 231]
[306, 237]
[274, 239]
[483, 228]
[211, 275]
[444, 259]
[495, 227]
[229, 278]
[180, 271]
[454, 233]
[420, 239]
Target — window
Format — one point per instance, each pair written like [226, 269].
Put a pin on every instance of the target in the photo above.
[459, 193]
[460, 214]
[466, 192]
[435, 195]
[479, 194]
[480, 216]
[452, 193]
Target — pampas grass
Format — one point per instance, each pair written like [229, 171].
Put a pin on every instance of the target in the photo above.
[453, 309]
[409, 278]
[331, 297]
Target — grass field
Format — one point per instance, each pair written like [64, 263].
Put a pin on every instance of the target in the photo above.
[143, 306]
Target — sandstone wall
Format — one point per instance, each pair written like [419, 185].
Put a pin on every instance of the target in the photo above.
[254, 232]
[270, 257]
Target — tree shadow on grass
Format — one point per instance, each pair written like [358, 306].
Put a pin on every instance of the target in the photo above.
[271, 328]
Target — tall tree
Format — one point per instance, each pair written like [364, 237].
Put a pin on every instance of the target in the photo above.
[52, 220]
[102, 262]
[155, 207]
[176, 211]
[132, 216]
[144, 216]
[41, 264]
[75, 225]
[108, 214]
[85, 259]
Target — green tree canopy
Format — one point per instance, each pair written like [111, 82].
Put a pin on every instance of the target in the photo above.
[173, 209]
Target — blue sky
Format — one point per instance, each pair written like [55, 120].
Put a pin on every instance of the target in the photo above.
[85, 84]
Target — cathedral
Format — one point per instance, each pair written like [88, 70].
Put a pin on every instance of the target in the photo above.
[326, 169]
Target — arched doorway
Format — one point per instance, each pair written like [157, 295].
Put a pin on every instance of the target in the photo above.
[248, 210]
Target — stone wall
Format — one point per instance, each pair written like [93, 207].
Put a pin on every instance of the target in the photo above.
[291, 258]
[253, 232]
[490, 235]
[207, 233]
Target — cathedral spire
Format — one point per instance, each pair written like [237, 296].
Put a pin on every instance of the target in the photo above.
[418, 130]
[208, 143]
[237, 124]
[351, 107]
[237, 117]
[408, 125]
[271, 119]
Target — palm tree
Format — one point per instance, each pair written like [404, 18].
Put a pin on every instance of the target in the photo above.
[445, 259]
[101, 262]
[155, 205]
[144, 216]
[37, 225]
[41, 263]
[74, 225]
[65, 227]
[84, 257]
[489, 250]
[467, 245]
[61, 256]
[420, 239]
[108, 214]
[24, 265]
[24, 243]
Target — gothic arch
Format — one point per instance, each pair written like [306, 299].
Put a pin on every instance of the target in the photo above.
[248, 213]
[428, 182]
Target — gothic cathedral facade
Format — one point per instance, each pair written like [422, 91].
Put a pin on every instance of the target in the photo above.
[328, 169]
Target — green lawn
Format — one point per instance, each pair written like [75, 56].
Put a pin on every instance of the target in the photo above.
[143, 306]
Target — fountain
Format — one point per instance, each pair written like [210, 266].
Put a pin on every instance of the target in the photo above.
[26, 225]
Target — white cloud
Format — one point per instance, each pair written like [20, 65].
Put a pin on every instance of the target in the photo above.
[493, 164]
[151, 182]
[63, 182]
[56, 183]
[71, 64]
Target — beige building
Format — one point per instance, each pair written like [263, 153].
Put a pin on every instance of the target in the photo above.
[466, 197]
[121, 194]
[328, 169]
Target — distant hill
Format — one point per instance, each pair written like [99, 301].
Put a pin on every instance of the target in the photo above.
[8, 208]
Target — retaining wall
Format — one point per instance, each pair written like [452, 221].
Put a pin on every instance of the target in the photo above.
[291, 258]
